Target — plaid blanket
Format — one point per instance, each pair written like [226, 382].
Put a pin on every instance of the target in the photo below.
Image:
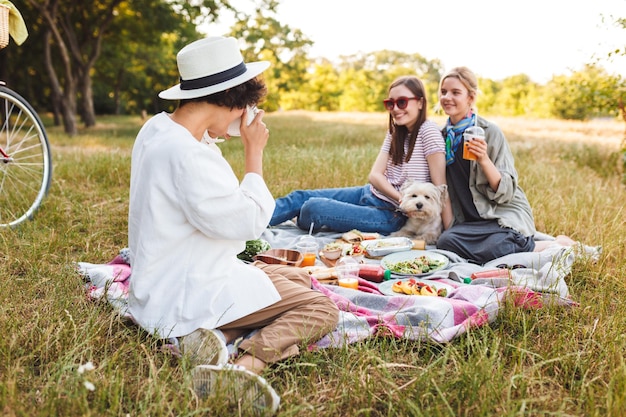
[367, 312]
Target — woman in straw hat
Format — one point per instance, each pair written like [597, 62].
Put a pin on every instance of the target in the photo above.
[190, 216]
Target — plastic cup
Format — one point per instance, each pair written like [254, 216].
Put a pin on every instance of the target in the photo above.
[308, 247]
[347, 270]
[471, 133]
[351, 283]
[233, 128]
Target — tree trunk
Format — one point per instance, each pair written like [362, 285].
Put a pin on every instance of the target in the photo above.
[79, 48]
[65, 98]
[89, 113]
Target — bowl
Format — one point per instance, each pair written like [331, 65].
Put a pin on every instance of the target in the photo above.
[280, 257]
[332, 254]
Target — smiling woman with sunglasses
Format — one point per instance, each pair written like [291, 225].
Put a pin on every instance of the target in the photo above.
[413, 149]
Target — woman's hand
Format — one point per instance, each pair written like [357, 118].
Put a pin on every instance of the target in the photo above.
[254, 138]
[478, 147]
[255, 135]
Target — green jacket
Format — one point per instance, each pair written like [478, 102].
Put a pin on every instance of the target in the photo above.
[508, 204]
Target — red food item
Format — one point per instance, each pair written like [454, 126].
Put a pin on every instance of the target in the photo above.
[357, 249]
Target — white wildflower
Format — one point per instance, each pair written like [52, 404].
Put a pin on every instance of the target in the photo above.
[90, 386]
[86, 367]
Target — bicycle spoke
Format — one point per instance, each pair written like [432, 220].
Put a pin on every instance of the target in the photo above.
[25, 176]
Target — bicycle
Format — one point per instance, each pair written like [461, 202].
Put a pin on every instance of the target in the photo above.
[25, 155]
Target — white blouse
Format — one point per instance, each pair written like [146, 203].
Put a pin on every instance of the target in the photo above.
[188, 219]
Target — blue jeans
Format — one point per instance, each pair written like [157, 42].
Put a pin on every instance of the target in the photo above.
[339, 210]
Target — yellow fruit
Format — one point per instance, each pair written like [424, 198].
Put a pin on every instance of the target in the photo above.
[407, 287]
[427, 290]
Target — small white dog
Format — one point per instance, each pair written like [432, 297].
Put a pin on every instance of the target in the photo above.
[422, 203]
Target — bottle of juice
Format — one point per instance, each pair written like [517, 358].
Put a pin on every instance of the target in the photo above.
[374, 273]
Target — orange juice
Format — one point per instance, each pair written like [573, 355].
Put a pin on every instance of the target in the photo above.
[308, 260]
[467, 154]
[349, 283]
[472, 132]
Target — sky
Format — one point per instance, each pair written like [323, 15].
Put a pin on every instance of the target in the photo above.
[494, 38]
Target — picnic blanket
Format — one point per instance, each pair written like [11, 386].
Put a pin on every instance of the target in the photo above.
[367, 312]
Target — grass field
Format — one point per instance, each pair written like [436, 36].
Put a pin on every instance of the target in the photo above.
[550, 362]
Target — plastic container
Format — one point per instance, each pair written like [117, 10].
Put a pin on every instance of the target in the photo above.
[374, 273]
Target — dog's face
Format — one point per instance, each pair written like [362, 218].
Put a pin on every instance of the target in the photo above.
[422, 200]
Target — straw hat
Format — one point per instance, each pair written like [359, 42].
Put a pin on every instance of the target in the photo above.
[211, 65]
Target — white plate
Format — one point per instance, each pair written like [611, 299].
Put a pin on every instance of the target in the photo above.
[385, 287]
[382, 247]
[414, 254]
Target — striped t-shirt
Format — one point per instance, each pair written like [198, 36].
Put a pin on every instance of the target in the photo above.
[429, 141]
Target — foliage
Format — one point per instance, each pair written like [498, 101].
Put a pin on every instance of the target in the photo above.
[265, 38]
[550, 361]
[143, 40]
[587, 93]
[139, 45]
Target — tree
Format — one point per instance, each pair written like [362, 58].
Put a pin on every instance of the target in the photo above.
[76, 29]
[589, 92]
[138, 57]
[73, 34]
[516, 96]
[378, 69]
[265, 38]
[321, 90]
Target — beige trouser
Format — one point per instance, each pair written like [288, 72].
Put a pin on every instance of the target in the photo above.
[302, 316]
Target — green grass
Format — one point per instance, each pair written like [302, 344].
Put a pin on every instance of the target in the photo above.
[550, 362]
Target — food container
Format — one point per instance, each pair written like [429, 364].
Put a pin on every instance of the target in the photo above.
[280, 256]
[382, 247]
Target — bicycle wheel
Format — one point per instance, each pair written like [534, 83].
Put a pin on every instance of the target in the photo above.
[25, 159]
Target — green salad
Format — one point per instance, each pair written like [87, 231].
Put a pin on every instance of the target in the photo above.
[419, 265]
[252, 248]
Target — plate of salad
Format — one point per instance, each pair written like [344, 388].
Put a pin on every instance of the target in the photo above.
[416, 263]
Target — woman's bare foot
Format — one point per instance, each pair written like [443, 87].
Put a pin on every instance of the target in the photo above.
[560, 240]
[565, 240]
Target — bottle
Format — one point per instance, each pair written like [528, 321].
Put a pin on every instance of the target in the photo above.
[492, 273]
[374, 273]
[418, 244]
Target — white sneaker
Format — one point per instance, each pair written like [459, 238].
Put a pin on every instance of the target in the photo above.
[205, 347]
[249, 391]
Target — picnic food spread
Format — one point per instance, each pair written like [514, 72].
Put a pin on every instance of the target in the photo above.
[399, 258]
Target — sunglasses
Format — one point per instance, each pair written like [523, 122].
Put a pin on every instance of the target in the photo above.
[401, 102]
[505, 266]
